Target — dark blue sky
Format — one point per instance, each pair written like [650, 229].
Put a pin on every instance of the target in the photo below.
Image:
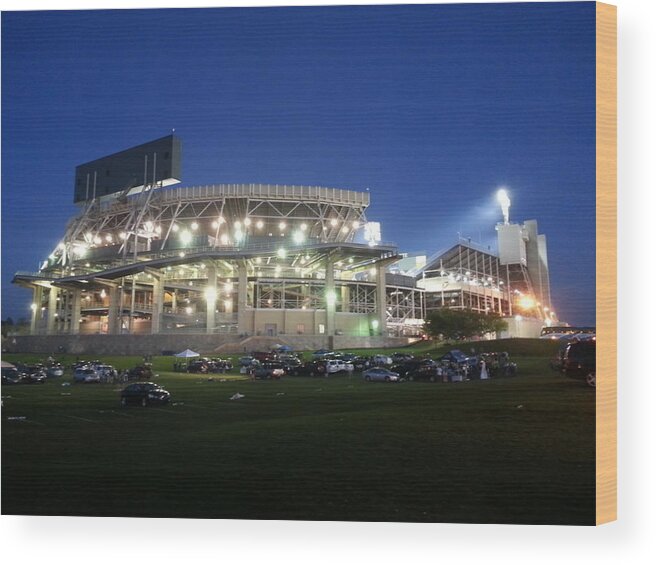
[430, 107]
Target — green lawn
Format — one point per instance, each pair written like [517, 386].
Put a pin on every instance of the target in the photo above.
[517, 450]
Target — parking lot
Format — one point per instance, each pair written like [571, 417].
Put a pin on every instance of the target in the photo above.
[518, 449]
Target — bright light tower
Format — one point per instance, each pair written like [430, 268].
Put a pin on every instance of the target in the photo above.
[504, 200]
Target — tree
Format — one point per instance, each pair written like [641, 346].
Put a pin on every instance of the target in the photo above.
[452, 325]
[7, 326]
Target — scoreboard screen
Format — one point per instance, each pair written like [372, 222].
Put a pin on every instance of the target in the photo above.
[153, 163]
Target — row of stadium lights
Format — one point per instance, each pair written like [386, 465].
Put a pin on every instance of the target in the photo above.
[298, 236]
[152, 231]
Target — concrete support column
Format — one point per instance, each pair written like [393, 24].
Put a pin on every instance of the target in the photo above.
[228, 303]
[242, 294]
[158, 304]
[210, 297]
[37, 296]
[112, 311]
[52, 310]
[76, 311]
[346, 298]
[331, 297]
[381, 300]
[64, 307]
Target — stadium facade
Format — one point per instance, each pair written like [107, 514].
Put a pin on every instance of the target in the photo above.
[301, 264]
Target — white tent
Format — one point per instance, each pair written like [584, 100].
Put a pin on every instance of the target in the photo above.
[187, 353]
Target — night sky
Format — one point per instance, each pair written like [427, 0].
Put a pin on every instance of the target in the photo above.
[431, 108]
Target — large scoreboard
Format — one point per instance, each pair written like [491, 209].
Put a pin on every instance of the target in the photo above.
[156, 163]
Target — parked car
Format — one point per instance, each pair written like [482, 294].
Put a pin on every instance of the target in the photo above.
[55, 370]
[382, 360]
[10, 376]
[402, 357]
[85, 375]
[267, 371]
[264, 356]
[32, 379]
[141, 372]
[361, 363]
[380, 374]
[425, 370]
[37, 369]
[347, 357]
[291, 365]
[144, 394]
[580, 361]
[315, 368]
[199, 366]
[217, 365]
[321, 353]
[455, 356]
[247, 361]
[334, 366]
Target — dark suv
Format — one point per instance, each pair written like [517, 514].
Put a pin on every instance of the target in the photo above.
[580, 361]
[144, 394]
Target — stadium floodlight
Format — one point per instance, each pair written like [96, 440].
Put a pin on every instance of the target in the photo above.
[527, 302]
[185, 237]
[247, 222]
[260, 224]
[299, 237]
[282, 253]
[504, 201]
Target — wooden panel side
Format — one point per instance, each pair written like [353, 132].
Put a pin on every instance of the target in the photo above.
[606, 276]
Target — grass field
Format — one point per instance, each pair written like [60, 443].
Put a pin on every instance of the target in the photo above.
[515, 450]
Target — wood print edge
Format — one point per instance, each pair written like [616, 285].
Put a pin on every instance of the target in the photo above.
[606, 261]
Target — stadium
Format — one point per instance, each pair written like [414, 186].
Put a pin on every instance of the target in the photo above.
[146, 266]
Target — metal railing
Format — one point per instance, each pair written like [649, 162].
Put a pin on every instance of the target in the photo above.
[265, 192]
[167, 195]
